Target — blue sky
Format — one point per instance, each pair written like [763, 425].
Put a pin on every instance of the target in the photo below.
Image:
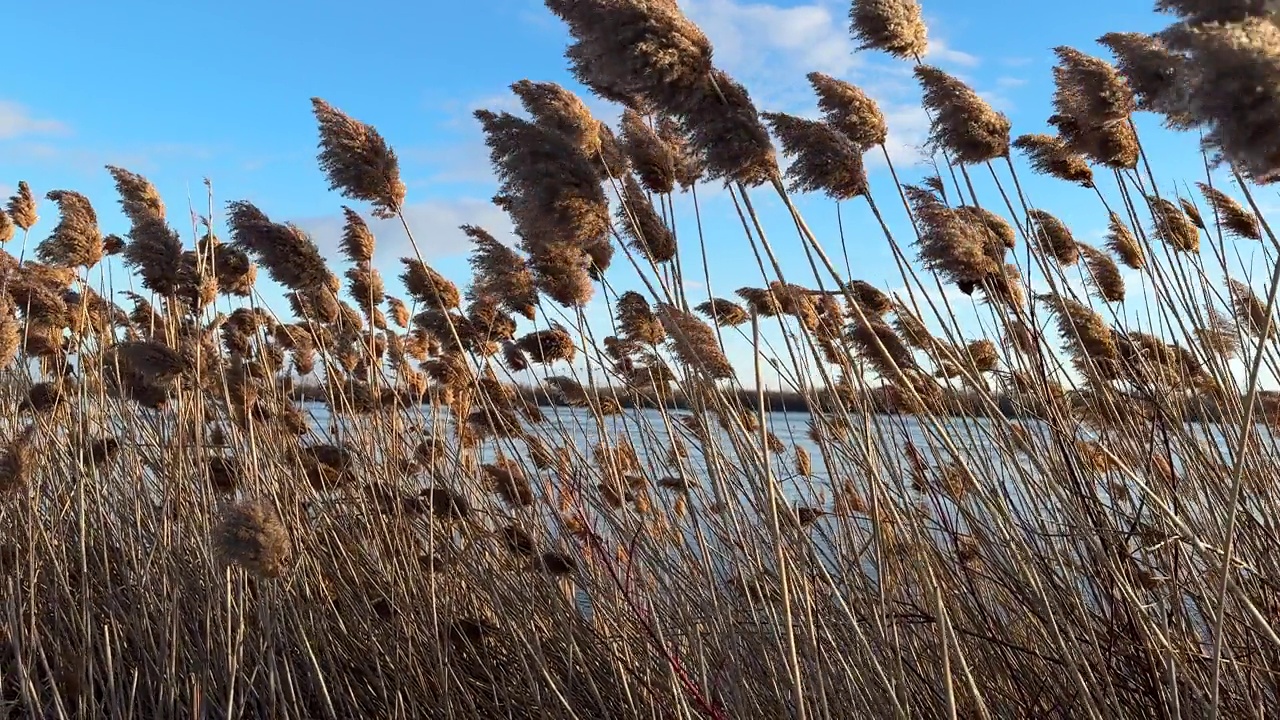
[183, 91]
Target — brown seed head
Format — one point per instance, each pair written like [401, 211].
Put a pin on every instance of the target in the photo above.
[76, 240]
[250, 534]
[1122, 242]
[1193, 212]
[724, 313]
[952, 243]
[358, 161]
[22, 207]
[893, 26]
[1231, 215]
[510, 482]
[983, 355]
[1089, 340]
[1104, 273]
[1154, 73]
[881, 348]
[18, 461]
[1092, 105]
[1217, 11]
[688, 167]
[824, 159]
[724, 130]
[7, 227]
[427, 286]
[963, 124]
[635, 51]
[693, 342]
[1051, 156]
[399, 312]
[1172, 226]
[290, 256]
[1230, 84]
[548, 346]
[651, 157]
[1248, 310]
[1053, 237]
[850, 111]
[641, 224]
[357, 239]
[636, 320]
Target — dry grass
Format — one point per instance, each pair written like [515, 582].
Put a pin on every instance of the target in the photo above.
[1030, 520]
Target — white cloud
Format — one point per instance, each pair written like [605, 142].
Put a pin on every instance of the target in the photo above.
[940, 53]
[17, 121]
[435, 225]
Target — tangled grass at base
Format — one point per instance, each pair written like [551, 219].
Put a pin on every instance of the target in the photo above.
[179, 538]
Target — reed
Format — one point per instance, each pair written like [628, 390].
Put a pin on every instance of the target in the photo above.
[469, 502]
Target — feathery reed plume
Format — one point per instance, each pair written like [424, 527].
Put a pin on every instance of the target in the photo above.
[997, 231]
[358, 161]
[22, 207]
[76, 240]
[1104, 273]
[724, 313]
[804, 464]
[557, 563]
[913, 330]
[427, 286]
[291, 258]
[642, 225]
[112, 245]
[636, 320]
[824, 158]
[43, 397]
[224, 474]
[1154, 74]
[1090, 342]
[1230, 86]
[963, 123]
[724, 129]
[510, 482]
[1219, 335]
[399, 312]
[634, 52]
[881, 348]
[651, 157]
[1172, 226]
[563, 273]
[545, 347]
[1092, 104]
[873, 301]
[893, 26]
[514, 358]
[688, 166]
[10, 333]
[518, 541]
[1122, 242]
[849, 110]
[154, 249]
[1216, 11]
[17, 461]
[950, 244]
[7, 227]
[155, 363]
[365, 286]
[251, 535]
[557, 109]
[693, 342]
[357, 239]
[1050, 156]
[1193, 213]
[1233, 217]
[760, 301]
[1248, 310]
[1053, 237]
[983, 355]
[550, 190]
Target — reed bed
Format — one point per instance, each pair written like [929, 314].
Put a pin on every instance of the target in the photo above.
[180, 538]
